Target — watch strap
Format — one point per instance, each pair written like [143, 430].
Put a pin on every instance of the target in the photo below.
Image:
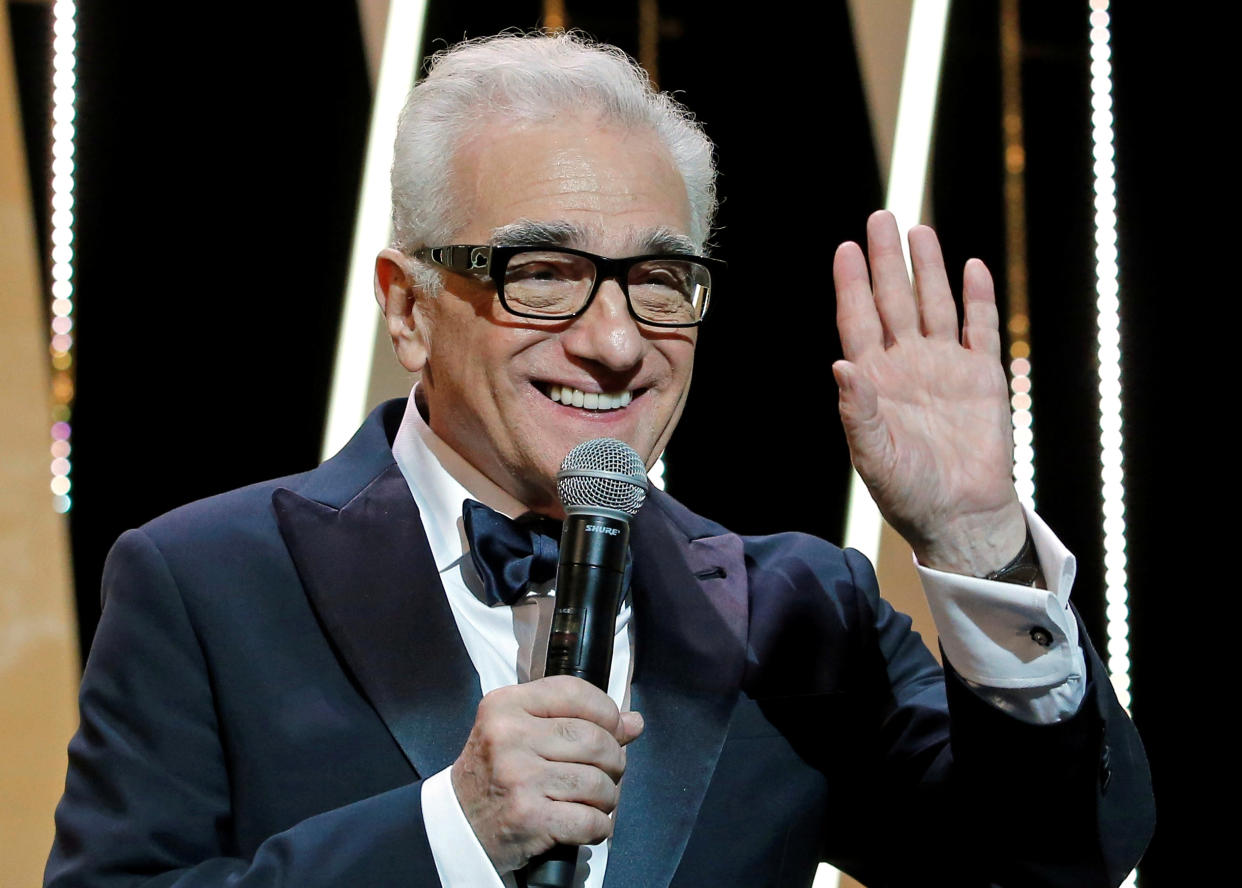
[1023, 569]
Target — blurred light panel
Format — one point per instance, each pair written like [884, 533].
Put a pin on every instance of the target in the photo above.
[907, 179]
[907, 183]
[355, 347]
[656, 475]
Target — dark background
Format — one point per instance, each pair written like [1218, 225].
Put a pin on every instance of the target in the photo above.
[219, 156]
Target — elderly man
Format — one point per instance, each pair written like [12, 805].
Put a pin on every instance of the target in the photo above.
[310, 682]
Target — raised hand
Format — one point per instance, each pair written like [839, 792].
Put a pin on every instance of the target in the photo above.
[926, 414]
[542, 767]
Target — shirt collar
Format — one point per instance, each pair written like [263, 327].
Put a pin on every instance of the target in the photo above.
[440, 479]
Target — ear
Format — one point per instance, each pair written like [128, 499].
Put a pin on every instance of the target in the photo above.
[402, 302]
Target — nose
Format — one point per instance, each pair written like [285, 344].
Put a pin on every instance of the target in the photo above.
[606, 333]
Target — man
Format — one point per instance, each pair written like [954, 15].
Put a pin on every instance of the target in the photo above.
[305, 682]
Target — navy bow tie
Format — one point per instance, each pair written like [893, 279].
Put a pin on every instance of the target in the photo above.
[509, 555]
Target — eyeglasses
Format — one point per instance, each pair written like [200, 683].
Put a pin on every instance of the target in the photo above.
[558, 283]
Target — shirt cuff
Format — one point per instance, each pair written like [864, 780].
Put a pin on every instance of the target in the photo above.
[1017, 646]
[460, 859]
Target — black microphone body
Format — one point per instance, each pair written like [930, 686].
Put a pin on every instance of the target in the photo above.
[590, 581]
[589, 586]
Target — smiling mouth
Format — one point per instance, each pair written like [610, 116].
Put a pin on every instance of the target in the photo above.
[564, 394]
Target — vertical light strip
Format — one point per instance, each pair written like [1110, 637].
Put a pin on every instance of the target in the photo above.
[907, 185]
[351, 374]
[1108, 359]
[64, 57]
[1016, 304]
[1108, 354]
[649, 58]
[916, 114]
[649, 38]
[554, 15]
[907, 182]
[656, 473]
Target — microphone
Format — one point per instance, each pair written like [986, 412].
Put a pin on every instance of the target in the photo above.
[602, 485]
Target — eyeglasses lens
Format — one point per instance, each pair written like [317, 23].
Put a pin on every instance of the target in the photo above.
[549, 282]
[670, 291]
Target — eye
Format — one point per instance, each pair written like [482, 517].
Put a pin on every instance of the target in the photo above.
[534, 271]
[550, 267]
[663, 275]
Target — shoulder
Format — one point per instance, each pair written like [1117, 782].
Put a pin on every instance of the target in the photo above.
[239, 527]
[245, 509]
[224, 543]
[209, 536]
[815, 618]
[783, 565]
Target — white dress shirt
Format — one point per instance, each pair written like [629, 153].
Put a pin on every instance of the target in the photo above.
[984, 627]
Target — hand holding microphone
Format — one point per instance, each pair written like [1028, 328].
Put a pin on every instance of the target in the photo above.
[544, 759]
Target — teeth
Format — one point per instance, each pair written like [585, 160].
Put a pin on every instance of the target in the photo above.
[565, 394]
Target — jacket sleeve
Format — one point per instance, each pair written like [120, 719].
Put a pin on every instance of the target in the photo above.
[148, 797]
[1067, 803]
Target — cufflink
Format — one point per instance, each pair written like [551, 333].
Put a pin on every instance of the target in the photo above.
[1041, 636]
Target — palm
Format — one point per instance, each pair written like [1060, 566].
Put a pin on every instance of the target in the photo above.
[926, 415]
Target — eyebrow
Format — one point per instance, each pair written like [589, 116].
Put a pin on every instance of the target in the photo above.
[665, 240]
[528, 231]
[531, 232]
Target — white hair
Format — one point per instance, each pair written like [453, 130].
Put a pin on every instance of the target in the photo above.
[529, 78]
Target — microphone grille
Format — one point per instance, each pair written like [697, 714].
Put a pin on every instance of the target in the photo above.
[603, 473]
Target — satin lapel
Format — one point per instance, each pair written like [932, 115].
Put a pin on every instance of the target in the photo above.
[369, 573]
[690, 618]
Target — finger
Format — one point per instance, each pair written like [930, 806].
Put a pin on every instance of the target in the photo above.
[566, 696]
[580, 742]
[569, 782]
[981, 331]
[570, 823]
[857, 319]
[894, 297]
[937, 313]
[631, 727]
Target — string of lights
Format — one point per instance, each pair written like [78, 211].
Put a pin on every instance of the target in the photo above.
[1108, 351]
[1017, 309]
[64, 95]
[1108, 358]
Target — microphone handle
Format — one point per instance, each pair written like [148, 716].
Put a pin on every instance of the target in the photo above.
[589, 581]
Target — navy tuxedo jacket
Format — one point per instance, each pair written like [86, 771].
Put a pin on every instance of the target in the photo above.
[277, 669]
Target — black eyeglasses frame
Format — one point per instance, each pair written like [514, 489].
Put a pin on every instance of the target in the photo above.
[479, 260]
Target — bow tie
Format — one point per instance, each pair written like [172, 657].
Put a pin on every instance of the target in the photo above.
[509, 555]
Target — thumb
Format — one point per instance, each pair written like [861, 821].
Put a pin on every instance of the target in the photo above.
[860, 416]
[629, 727]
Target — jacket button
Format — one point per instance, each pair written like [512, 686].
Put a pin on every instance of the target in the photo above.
[1041, 636]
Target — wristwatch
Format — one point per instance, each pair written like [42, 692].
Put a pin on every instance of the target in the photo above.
[1024, 569]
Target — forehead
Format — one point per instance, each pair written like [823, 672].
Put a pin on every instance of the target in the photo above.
[614, 185]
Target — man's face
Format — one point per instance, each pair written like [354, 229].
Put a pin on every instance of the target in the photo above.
[488, 375]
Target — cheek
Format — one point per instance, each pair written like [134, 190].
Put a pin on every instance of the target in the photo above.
[680, 358]
[682, 373]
